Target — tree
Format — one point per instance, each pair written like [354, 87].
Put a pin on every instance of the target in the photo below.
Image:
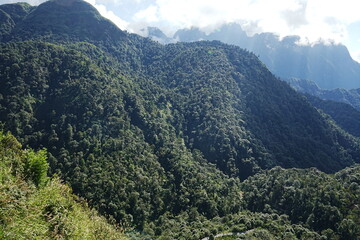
[36, 166]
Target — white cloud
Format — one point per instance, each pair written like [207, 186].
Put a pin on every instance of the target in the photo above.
[202, 13]
[122, 24]
[357, 58]
[311, 19]
[149, 14]
[356, 55]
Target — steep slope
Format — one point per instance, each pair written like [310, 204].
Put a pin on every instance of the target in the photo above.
[33, 206]
[330, 66]
[10, 15]
[88, 115]
[342, 105]
[345, 116]
[240, 116]
[150, 133]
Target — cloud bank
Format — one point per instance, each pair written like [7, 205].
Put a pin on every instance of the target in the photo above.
[312, 20]
[122, 24]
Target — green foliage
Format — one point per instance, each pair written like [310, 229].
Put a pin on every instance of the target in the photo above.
[36, 166]
[156, 136]
[343, 114]
[10, 15]
[249, 225]
[49, 211]
[324, 203]
[115, 149]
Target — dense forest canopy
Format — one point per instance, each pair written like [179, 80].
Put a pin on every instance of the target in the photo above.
[159, 137]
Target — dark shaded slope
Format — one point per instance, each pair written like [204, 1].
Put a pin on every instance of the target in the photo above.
[347, 117]
[241, 117]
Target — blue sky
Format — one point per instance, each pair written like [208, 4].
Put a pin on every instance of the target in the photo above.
[313, 20]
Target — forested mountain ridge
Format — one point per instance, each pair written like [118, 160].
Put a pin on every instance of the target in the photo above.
[155, 135]
[343, 106]
[329, 65]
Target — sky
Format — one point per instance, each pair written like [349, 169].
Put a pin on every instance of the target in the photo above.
[313, 20]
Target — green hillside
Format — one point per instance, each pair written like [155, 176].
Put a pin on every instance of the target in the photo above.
[157, 137]
[34, 206]
[324, 203]
[345, 116]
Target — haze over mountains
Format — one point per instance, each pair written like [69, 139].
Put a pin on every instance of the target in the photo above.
[351, 97]
[173, 140]
[329, 65]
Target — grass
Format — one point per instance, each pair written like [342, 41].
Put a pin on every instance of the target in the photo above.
[47, 211]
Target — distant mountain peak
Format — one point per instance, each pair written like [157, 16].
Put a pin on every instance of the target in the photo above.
[157, 35]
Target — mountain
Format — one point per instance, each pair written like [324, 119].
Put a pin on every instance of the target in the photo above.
[345, 116]
[10, 15]
[351, 97]
[189, 35]
[340, 104]
[329, 65]
[64, 19]
[158, 136]
[157, 35]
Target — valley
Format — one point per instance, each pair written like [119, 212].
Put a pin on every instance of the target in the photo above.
[176, 141]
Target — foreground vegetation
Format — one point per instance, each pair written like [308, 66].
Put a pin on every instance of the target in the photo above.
[276, 204]
[34, 206]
